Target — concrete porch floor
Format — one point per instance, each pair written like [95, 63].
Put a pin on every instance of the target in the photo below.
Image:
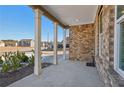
[65, 74]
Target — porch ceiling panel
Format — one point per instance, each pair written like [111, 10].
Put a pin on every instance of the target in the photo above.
[73, 14]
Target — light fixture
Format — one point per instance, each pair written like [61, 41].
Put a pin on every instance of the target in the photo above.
[77, 20]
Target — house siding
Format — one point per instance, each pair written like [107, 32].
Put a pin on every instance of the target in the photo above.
[105, 62]
[82, 41]
[8, 43]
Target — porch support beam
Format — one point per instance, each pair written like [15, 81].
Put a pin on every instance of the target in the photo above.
[37, 63]
[64, 44]
[49, 15]
[55, 60]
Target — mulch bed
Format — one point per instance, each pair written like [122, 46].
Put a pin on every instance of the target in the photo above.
[10, 77]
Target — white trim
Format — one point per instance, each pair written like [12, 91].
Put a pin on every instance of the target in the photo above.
[117, 43]
[121, 19]
[100, 35]
[120, 72]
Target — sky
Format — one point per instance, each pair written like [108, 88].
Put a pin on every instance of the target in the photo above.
[17, 22]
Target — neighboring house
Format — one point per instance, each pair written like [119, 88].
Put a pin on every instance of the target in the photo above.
[2, 44]
[8, 43]
[46, 45]
[67, 42]
[43, 45]
[26, 43]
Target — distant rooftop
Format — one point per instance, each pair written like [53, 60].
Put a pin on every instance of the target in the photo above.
[8, 40]
[25, 39]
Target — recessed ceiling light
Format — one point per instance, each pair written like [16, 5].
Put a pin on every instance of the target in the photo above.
[77, 20]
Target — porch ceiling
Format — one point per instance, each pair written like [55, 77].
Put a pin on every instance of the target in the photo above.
[73, 14]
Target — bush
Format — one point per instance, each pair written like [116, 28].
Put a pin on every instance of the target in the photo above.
[6, 67]
[1, 61]
[12, 61]
[31, 60]
[21, 56]
[18, 55]
[15, 62]
[6, 56]
[24, 58]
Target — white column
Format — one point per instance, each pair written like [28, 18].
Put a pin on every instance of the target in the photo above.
[64, 44]
[37, 63]
[55, 60]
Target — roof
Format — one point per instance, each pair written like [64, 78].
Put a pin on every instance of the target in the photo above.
[25, 40]
[8, 41]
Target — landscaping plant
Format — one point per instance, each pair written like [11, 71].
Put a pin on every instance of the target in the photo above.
[1, 61]
[6, 56]
[18, 55]
[31, 60]
[13, 61]
[24, 58]
[6, 67]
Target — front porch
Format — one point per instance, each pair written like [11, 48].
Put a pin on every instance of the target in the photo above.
[82, 48]
[65, 74]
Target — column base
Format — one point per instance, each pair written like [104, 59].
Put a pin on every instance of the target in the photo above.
[37, 72]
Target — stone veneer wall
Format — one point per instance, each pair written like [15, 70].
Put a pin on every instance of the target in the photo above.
[82, 41]
[105, 62]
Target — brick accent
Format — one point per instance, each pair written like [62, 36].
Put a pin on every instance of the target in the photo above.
[82, 41]
[105, 64]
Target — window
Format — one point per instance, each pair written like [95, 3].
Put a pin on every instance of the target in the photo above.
[100, 34]
[121, 51]
[120, 11]
[119, 40]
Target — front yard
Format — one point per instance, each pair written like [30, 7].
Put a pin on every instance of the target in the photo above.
[15, 66]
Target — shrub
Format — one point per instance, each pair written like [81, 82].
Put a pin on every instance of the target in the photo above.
[24, 58]
[6, 57]
[31, 60]
[12, 61]
[1, 61]
[21, 56]
[18, 55]
[6, 62]
[6, 67]
[15, 61]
